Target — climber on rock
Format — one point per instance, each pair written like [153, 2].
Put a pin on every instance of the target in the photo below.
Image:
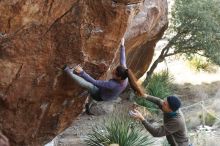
[106, 90]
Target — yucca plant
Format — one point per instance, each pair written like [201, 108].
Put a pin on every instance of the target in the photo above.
[199, 63]
[160, 85]
[118, 129]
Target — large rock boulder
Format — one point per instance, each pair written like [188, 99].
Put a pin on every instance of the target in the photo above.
[3, 140]
[37, 101]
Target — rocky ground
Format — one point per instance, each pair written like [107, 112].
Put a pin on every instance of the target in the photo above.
[74, 135]
[191, 86]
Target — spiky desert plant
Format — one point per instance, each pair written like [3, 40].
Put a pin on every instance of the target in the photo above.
[118, 129]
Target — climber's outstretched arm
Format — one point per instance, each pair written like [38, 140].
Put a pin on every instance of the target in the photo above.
[122, 53]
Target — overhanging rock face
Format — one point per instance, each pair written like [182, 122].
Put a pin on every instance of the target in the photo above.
[37, 101]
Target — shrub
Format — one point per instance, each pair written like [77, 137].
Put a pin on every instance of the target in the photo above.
[118, 130]
[199, 63]
[209, 118]
[160, 85]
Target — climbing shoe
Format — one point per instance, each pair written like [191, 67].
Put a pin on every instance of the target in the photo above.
[64, 67]
[88, 110]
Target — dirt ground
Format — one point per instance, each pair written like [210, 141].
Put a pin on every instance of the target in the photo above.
[74, 135]
[192, 87]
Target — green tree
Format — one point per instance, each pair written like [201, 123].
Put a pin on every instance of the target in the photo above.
[194, 29]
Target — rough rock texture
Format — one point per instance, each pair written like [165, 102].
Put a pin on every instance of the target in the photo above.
[37, 101]
[3, 140]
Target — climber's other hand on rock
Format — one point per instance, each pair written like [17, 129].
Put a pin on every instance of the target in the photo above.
[78, 69]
